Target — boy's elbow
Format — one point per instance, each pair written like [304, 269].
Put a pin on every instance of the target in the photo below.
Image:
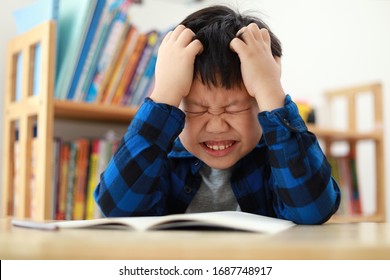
[320, 210]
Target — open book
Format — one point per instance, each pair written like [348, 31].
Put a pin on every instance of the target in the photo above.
[223, 220]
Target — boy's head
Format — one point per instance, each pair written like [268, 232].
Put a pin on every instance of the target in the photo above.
[215, 27]
[221, 117]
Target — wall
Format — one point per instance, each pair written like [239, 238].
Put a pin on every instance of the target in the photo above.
[327, 44]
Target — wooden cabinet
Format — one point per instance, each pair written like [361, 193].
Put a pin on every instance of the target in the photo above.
[43, 110]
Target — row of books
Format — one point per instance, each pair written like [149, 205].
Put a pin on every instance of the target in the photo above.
[77, 168]
[113, 63]
[101, 55]
[345, 173]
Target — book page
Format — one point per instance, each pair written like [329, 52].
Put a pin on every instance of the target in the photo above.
[227, 220]
[233, 220]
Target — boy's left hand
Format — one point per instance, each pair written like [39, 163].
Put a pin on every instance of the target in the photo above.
[260, 70]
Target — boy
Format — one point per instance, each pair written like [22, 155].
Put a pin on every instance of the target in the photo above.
[218, 132]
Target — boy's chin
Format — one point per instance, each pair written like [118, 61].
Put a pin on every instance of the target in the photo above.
[219, 164]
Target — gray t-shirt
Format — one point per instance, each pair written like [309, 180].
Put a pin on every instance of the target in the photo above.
[215, 192]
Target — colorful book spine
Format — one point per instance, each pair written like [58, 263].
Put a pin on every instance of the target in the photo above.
[74, 19]
[145, 56]
[63, 181]
[130, 68]
[95, 50]
[147, 78]
[355, 196]
[93, 27]
[56, 163]
[109, 53]
[71, 181]
[86, 94]
[79, 189]
[120, 65]
[93, 179]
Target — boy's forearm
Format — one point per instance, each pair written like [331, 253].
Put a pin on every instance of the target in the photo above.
[134, 173]
[305, 189]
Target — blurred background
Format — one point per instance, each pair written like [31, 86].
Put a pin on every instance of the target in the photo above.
[327, 44]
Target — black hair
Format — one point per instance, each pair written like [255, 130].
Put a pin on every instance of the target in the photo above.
[215, 27]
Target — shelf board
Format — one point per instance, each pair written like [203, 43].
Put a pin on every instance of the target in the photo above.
[93, 111]
[328, 133]
[375, 218]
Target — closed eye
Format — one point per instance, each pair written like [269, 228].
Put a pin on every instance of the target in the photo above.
[237, 111]
[195, 113]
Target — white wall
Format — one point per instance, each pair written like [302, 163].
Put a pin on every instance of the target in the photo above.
[327, 43]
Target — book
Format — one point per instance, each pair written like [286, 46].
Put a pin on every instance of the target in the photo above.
[74, 19]
[93, 179]
[345, 173]
[109, 53]
[130, 68]
[120, 65]
[147, 78]
[55, 183]
[222, 220]
[71, 180]
[93, 27]
[80, 182]
[102, 32]
[152, 38]
[355, 196]
[63, 180]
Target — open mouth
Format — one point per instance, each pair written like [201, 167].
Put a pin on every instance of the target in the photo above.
[219, 146]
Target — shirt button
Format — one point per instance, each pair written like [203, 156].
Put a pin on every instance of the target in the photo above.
[187, 189]
[196, 162]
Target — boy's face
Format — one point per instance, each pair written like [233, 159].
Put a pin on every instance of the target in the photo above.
[221, 125]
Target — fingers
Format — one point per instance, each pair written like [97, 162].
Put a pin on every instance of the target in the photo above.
[181, 35]
[236, 44]
[265, 36]
[195, 47]
[176, 32]
[252, 34]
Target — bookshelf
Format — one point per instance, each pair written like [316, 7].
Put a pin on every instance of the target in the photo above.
[40, 109]
[352, 136]
[44, 110]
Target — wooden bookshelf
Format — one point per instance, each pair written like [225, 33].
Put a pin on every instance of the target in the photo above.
[331, 134]
[352, 136]
[45, 111]
[93, 112]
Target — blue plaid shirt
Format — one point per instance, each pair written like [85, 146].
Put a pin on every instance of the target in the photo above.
[285, 176]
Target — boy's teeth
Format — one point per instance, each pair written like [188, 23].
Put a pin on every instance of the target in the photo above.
[218, 147]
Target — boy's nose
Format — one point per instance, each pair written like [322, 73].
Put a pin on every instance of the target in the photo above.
[216, 124]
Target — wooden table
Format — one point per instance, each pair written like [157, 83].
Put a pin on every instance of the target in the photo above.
[329, 241]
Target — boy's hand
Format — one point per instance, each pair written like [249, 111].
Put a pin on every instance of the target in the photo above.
[260, 71]
[175, 66]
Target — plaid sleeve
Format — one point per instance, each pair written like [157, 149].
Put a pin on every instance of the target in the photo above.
[305, 191]
[133, 183]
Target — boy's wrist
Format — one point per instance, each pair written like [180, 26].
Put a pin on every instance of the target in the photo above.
[163, 97]
[270, 99]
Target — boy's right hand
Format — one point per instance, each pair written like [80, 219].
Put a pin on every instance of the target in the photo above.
[175, 66]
